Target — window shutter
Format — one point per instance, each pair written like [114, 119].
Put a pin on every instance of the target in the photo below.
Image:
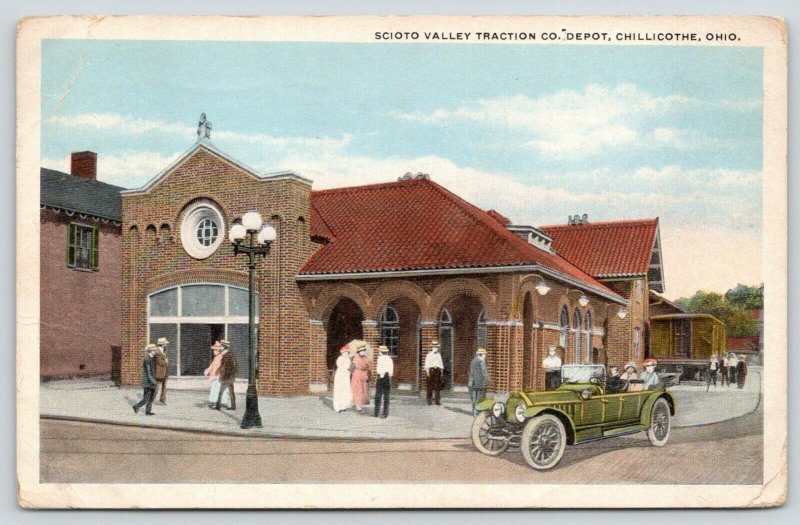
[95, 248]
[71, 229]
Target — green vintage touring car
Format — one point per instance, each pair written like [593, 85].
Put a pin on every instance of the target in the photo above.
[543, 423]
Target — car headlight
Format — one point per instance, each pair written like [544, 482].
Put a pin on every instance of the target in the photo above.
[498, 409]
[585, 394]
[519, 413]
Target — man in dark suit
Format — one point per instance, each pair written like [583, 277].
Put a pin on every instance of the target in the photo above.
[227, 374]
[148, 381]
[478, 378]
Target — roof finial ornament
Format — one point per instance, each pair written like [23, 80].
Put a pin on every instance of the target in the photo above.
[203, 128]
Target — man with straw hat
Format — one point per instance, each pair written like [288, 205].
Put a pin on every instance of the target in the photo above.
[162, 368]
[434, 367]
[478, 378]
[148, 381]
[383, 386]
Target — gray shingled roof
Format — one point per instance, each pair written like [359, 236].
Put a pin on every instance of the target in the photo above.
[90, 197]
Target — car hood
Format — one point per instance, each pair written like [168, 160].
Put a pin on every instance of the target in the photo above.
[551, 396]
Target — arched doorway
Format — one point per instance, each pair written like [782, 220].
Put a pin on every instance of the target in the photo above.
[459, 321]
[527, 346]
[344, 324]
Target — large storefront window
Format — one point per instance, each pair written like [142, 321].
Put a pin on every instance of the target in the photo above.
[576, 324]
[588, 336]
[481, 334]
[192, 317]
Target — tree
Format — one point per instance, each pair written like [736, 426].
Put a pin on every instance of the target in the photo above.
[736, 318]
[748, 297]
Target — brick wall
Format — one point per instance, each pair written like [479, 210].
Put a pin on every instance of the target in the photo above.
[153, 257]
[80, 316]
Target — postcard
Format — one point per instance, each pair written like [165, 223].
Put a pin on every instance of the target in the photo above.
[401, 262]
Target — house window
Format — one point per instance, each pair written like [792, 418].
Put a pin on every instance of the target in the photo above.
[390, 329]
[637, 338]
[588, 326]
[202, 229]
[576, 324]
[207, 232]
[481, 333]
[564, 324]
[82, 246]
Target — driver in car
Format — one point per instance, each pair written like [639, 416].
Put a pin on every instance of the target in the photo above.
[614, 382]
[649, 376]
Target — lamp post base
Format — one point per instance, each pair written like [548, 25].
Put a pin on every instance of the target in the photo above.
[251, 416]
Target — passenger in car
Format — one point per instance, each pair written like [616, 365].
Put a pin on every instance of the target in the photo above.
[649, 376]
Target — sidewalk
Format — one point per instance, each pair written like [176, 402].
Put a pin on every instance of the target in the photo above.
[313, 416]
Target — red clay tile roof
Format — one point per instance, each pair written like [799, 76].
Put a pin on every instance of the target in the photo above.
[415, 225]
[499, 217]
[606, 249]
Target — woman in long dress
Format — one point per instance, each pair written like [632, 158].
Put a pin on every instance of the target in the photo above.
[213, 373]
[342, 394]
[360, 381]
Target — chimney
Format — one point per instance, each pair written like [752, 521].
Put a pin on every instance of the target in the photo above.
[84, 165]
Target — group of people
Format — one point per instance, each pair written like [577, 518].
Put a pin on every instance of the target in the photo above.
[351, 380]
[155, 370]
[729, 369]
[630, 380]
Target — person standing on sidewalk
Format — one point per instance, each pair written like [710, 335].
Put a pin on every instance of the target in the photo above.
[741, 372]
[434, 367]
[213, 373]
[359, 382]
[478, 379]
[552, 369]
[342, 393]
[713, 365]
[227, 375]
[723, 370]
[383, 385]
[162, 368]
[733, 362]
[148, 381]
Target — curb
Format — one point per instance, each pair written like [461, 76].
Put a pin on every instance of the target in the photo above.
[243, 434]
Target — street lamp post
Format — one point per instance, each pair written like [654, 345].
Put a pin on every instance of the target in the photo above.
[259, 241]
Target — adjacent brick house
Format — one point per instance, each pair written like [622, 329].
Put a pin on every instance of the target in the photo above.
[401, 263]
[80, 270]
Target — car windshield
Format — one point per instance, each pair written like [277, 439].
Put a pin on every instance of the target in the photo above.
[582, 373]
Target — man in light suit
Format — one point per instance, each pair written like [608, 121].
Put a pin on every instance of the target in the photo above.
[478, 378]
[434, 367]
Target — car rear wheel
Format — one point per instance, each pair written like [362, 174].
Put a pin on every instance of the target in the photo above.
[543, 441]
[660, 422]
[488, 434]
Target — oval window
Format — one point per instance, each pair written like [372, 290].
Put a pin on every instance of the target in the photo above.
[202, 229]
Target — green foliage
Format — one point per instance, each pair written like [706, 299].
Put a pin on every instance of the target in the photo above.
[748, 297]
[733, 308]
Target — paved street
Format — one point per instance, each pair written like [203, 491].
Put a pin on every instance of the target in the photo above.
[98, 453]
[74, 451]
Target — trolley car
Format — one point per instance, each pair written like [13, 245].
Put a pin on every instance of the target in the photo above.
[684, 343]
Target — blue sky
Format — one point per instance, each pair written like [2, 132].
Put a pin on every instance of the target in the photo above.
[537, 132]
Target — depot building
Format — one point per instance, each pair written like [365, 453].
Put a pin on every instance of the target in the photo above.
[401, 263]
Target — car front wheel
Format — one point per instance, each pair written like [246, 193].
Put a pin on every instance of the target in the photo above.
[543, 441]
[660, 421]
[488, 434]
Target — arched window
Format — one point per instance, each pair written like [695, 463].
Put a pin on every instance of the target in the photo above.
[576, 324]
[637, 341]
[588, 328]
[480, 335]
[390, 329]
[564, 324]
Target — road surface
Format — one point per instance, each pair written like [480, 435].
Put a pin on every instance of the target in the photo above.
[723, 453]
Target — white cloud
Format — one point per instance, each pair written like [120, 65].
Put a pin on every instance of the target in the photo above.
[127, 169]
[120, 124]
[568, 122]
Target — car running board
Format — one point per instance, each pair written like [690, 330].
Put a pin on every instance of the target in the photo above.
[625, 430]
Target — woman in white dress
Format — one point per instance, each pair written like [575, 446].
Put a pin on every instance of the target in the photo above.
[342, 393]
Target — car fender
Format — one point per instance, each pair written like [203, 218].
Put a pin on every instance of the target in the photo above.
[486, 404]
[568, 425]
[648, 406]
